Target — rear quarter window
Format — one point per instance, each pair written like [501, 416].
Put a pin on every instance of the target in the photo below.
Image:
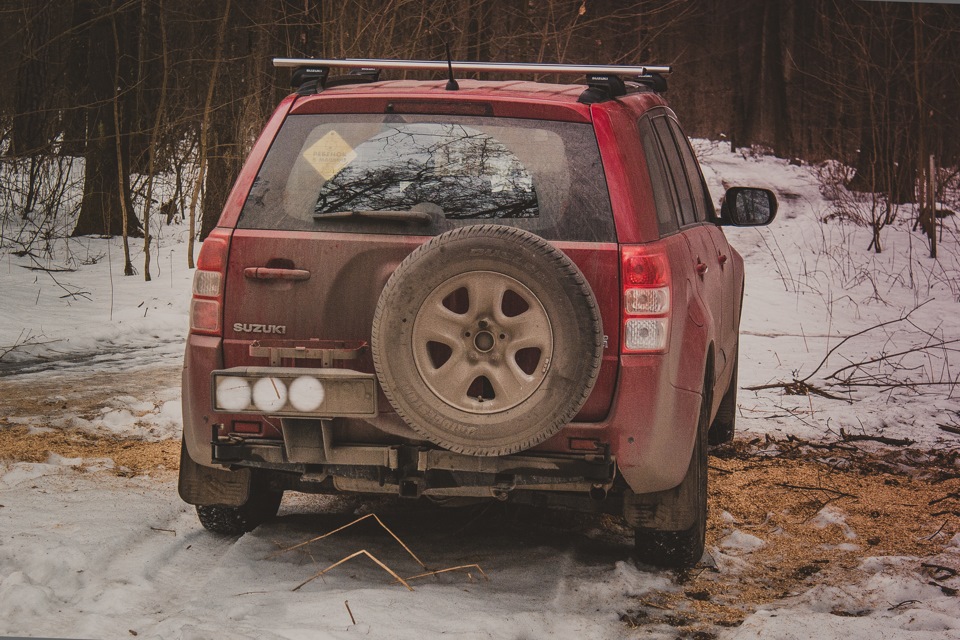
[542, 176]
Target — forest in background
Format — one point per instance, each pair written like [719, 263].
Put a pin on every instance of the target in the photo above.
[142, 87]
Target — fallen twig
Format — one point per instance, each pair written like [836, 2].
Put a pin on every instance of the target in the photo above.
[955, 495]
[937, 532]
[463, 566]
[887, 356]
[939, 568]
[860, 333]
[839, 494]
[361, 519]
[829, 446]
[166, 530]
[797, 388]
[903, 604]
[366, 553]
[949, 591]
[346, 603]
[858, 437]
[49, 269]
[362, 552]
[949, 428]
[20, 342]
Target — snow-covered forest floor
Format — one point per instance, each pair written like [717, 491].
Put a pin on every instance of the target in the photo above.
[824, 511]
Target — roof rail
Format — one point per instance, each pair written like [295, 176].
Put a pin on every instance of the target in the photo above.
[492, 67]
[604, 82]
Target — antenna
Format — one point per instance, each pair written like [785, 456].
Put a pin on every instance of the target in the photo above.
[451, 82]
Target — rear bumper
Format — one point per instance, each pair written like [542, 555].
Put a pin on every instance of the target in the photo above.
[647, 439]
[309, 450]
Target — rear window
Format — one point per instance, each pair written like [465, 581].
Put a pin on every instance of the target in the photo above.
[542, 176]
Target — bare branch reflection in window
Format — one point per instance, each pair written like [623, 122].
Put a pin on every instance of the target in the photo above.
[465, 172]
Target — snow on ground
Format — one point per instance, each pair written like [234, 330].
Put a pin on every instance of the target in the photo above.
[106, 559]
[87, 554]
[868, 610]
[810, 284]
[74, 303]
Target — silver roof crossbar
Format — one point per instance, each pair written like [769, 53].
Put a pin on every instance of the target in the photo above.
[494, 67]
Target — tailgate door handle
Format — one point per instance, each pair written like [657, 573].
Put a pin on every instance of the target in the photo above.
[267, 273]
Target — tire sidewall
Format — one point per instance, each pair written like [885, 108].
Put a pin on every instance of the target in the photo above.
[575, 353]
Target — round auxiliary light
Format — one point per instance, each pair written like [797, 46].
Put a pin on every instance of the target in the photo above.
[269, 394]
[233, 394]
[306, 394]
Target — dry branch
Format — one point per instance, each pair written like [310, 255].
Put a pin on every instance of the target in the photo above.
[860, 333]
[839, 494]
[362, 552]
[21, 342]
[797, 388]
[49, 269]
[459, 568]
[949, 428]
[939, 569]
[366, 553]
[845, 377]
[361, 519]
[857, 437]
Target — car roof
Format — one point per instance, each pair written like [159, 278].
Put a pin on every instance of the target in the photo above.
[509, 97]
[506, 88]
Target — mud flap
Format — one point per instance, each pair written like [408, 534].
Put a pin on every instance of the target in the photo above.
[207, 486]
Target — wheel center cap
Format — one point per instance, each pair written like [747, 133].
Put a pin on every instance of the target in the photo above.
[483, 341]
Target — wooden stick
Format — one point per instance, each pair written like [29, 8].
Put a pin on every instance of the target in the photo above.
[839, 494]
[360, 519]
[350, 557]
[439, 571]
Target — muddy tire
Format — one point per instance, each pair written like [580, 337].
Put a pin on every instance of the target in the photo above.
[670, 526]
[262, 506]
[487, 340]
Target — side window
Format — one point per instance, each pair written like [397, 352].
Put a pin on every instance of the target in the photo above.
[697, 186]
[662, 188]
[677, 173]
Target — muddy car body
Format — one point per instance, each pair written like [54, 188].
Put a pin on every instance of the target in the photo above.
[508, 290]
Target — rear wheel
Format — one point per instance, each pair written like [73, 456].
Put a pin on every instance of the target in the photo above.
[670, 526]
[262, 505]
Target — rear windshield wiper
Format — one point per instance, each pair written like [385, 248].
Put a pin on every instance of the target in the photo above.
[389, 215]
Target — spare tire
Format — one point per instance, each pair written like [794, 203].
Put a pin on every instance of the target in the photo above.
[487, 340]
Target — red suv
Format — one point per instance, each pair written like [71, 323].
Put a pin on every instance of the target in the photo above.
[512, 290]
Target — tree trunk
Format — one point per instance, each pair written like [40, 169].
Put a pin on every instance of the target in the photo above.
[75, 88]
[106, 175]
[203, 151]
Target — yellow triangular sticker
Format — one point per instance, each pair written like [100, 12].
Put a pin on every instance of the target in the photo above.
[329, 154]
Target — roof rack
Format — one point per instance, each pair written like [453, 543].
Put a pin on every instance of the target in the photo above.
[605, 81]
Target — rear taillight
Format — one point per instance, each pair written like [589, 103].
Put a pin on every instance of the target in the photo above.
[206, 308]
[645, 278]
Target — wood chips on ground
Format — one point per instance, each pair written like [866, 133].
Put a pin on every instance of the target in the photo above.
[886, 509]
[130, 457]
